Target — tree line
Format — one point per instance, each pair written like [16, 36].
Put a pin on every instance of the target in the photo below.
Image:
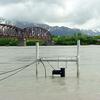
[71, 40]
[56, 40]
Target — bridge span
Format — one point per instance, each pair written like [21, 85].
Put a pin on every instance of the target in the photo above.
[22, 35]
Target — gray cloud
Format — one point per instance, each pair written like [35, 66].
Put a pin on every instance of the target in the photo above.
[7, 2]
[75, 13]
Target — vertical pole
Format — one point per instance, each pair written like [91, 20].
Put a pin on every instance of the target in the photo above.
[66, 63]
[58, 61]
[37, 57]
[78, 49]
[24, 42]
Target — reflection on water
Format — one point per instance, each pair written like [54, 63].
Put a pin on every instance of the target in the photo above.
[25, 86]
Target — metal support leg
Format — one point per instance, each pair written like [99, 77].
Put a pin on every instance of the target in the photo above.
[78, 56]
[37, 57]
[36, 68]
[77, 68]
[44, 67]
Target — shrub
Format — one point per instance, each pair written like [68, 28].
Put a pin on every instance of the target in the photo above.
[33, 42]
[8, 42]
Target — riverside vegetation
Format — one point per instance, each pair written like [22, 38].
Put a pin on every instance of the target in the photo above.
[71, 40]
[56, 40]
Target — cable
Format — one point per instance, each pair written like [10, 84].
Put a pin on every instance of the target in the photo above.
[11, 75]
[43, 66]
[17, 68]
[50, 65]
[21, 68]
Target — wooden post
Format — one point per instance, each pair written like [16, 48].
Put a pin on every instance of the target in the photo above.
[37, 57]
[78, 49]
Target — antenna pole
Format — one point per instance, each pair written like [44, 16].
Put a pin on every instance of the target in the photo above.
[37, 57]
[78, 56]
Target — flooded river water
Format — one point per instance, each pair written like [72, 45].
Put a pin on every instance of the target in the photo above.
[25, 86]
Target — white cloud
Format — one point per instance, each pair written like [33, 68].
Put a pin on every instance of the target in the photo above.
[73, 13]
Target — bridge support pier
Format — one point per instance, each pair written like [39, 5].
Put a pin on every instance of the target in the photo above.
[22, 42]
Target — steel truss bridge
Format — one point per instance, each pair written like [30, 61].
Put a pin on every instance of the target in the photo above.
[37, 33]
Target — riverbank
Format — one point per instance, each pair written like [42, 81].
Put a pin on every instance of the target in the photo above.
[56, 40]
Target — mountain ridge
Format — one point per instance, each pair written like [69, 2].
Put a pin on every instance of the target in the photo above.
[55, 30]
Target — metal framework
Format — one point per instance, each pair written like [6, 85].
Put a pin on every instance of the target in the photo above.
[57, 59]
[29, 32]
[10, 31]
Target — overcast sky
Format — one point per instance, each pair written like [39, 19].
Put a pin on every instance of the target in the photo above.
[71, 13]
